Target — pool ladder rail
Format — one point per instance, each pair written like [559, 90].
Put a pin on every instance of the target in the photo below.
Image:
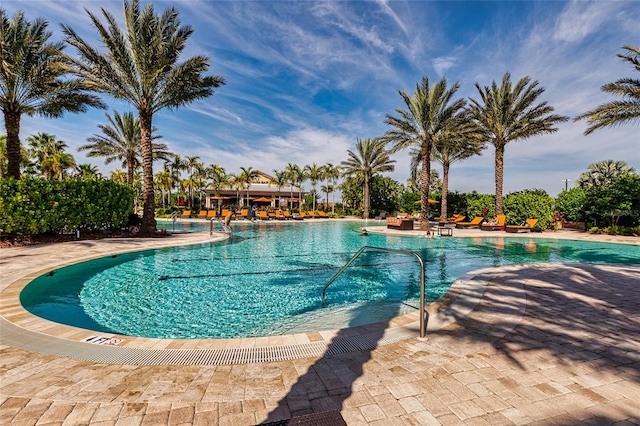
[423, 325]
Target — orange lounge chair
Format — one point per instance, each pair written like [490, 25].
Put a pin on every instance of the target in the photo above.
[495, 226]
[224, 213]
[280, 215]
[211, 214]
[524, 228]
[322, 214]
[456, 218]
[287, 215]
[186, 214]
[262, 215]
[311, 214]
[202, 214]
[475, 223]
[272, 215]
[244, 214]
[299, 216]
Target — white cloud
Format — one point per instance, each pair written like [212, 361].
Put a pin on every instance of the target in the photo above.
[581, 18]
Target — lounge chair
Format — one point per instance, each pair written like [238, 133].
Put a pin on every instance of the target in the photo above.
[280, 215]
[287, 215]
[272, 215]
[299, 216]
[524, 228]
[456, 218]
[322, 214]
[186, 214]
[404, 224]
[494, 226]
[382, 215]
[244, 214]
[262, 215]
[202, 214]
[225, 212]
[312, 214]
[475, 223]
[211, 214]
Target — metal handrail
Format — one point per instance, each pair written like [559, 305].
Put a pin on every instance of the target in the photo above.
[423, 328]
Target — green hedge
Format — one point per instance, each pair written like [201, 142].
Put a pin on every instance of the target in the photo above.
[529, 204]
[36, 206]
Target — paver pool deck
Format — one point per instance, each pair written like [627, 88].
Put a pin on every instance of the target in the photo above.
[545, 344]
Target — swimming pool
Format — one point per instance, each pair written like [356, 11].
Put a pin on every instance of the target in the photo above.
[267, 280]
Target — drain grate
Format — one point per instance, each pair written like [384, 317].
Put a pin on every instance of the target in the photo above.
[16, 336]
[328, 418]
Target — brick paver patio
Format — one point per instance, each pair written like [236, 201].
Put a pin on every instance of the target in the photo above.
[547, 344]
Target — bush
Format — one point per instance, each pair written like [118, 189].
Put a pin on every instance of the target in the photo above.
[534, 204]
[37, 206]
[480, 205]
[615, 204]
[570, 204]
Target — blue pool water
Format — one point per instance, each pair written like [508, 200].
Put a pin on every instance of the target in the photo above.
[267, 280]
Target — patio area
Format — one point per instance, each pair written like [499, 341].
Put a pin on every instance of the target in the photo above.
[544, 344]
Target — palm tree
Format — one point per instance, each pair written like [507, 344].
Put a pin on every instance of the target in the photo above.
[603, 173]
[430, 113]
[314, 174]
[119, 176]
[327, 189]
[506, 114]
[49, 155]
[369, 159]
[120, 140]
[164, 182]
[459, 143]
[618, 112]
[176, 165]
[34, 80]
[88, 171]
[141, 67]
[279, 180]
[245, 178]
[191, 163]
[3, 156]
[293, 172]
[218, 180]
[332, 173]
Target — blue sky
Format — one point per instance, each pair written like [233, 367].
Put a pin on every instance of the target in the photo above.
[305, 79]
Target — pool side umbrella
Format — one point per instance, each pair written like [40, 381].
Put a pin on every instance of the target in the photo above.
[263, 200]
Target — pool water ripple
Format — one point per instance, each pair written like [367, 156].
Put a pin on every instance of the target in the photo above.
[268, 279]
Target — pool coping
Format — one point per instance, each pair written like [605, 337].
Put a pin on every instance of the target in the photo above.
[23, 329]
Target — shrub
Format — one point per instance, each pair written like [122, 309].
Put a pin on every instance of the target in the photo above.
[570, 204]
[534, 204]
[480, 205]
[37, 206]
[615, 204]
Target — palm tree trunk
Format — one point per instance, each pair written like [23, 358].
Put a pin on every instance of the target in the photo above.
[148, 193]
[12, 124]
[130, 160]
[445, 191]
[426, 183]
[365, 213]
[499, 177]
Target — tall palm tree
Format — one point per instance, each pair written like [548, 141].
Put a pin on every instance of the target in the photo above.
[164, 182]
[191, 163]
[618, 112]
[327, 189]
[430, 112]
[370, 158]
[245, 178]
[332, 173]
[3, 155]
[293, 172]
[34, 80]
[120, 140]
[279, 180]
[460, 142]
[141, 67]
[506, 114]
[314, 174]
[176, 165]
[603, 173]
